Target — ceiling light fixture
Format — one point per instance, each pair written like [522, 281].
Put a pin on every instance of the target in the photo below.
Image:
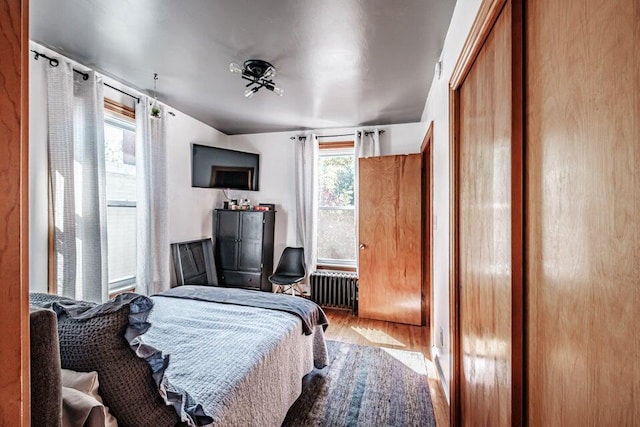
[259, 74]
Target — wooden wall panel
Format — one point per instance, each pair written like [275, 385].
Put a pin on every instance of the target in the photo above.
[583, 205]
[14, 284]
[390, 229]
[485, 231]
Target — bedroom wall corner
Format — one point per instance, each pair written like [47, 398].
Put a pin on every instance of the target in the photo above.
[189, 208]
[436, 110]
[277, 181]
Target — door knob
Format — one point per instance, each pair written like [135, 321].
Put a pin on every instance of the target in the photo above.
[362, 246]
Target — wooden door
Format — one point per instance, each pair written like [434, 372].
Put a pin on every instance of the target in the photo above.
[14, 202]
[583, 205]
[488, 222]
[390, 239]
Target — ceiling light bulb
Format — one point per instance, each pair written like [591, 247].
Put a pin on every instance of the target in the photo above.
[249, 92]
[278, 91]
[270, 72]
[235, 68]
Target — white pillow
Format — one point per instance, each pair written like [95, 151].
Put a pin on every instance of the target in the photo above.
[82, 405]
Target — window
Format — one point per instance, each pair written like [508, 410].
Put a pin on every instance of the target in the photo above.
[336, 206]
[120, 160]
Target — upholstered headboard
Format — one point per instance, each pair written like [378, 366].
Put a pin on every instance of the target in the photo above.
[46, 381]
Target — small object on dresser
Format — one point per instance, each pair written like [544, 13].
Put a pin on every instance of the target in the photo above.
[268, 206]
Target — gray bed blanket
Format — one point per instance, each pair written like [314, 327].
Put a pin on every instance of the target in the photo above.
[244, 365]
[309, 312]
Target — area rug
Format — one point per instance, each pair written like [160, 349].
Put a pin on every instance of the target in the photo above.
[365, 386]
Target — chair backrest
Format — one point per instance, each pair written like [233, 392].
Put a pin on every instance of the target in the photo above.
[194, 263]
[292, 262]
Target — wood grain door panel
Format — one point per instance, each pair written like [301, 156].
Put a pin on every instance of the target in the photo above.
[14, 211]
[485, 198]
[583, 226]
[390, 285]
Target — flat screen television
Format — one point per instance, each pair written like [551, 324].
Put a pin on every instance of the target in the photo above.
[213, 167]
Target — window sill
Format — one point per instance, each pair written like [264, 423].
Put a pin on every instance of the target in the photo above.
[115, 292]
[327, 267]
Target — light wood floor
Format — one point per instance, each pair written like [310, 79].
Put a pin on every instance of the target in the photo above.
[352, 329]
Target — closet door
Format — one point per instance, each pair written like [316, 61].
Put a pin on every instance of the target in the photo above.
[390, 255]
[488, 224]
[583, 204]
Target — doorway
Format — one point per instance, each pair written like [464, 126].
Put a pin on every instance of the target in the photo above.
[427, 230]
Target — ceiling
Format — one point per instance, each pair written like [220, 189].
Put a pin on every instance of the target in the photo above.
[341, 63]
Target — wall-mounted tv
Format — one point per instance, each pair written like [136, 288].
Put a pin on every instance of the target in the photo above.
[213, 167]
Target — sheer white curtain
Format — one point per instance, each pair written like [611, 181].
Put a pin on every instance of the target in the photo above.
[77, 174]
[152, 240]
[366, 144]
[306, 161]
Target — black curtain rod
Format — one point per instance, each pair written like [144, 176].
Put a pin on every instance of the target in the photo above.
[137, 98]
[335, 136]
[85, 76]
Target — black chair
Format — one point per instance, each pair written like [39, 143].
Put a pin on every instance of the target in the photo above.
[290, 271]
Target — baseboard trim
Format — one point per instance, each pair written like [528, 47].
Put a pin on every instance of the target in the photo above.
[441, 377]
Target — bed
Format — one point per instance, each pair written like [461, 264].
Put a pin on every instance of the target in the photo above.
[244, 364]
[236, 357]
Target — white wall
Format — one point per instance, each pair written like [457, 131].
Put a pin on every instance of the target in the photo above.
[437, 110]
[189, 208]
[276, 181]
[38, 177]
[277, 168]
